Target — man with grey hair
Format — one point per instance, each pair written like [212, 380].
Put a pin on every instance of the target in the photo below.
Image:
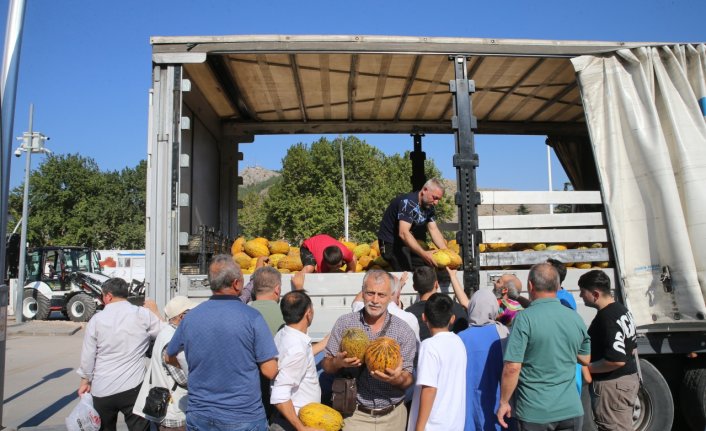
[380, 394]
[267, 288]
[394, 306]
[406, 220]
[227, 345]
[546, 342]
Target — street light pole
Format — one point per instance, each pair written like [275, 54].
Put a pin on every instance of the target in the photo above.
[345, 197]
[31, 143]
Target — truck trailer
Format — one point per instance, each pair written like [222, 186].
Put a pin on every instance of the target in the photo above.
[626, 121]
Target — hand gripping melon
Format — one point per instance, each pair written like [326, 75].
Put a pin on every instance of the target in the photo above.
[441, 258]
[354, 342]
[320, 416]
[383, 353]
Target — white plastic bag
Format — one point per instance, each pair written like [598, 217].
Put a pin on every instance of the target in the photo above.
[84, 417]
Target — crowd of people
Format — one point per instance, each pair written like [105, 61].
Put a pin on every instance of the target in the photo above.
[243, 359]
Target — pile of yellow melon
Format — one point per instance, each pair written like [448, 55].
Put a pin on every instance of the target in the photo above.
[279, 254]
[500, 247]
[286, 258]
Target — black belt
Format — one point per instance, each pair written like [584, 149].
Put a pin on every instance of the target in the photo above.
[378, 412]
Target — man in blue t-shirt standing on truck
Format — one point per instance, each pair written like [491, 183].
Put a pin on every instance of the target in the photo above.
[406, 220]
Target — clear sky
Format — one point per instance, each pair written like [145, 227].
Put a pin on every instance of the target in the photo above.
[86, 63]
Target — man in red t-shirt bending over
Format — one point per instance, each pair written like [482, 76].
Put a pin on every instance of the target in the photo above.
[322, 253]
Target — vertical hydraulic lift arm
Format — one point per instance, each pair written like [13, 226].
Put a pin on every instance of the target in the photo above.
[418, 157]
[466, 161]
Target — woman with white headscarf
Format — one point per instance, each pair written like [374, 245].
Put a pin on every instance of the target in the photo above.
[484, 340]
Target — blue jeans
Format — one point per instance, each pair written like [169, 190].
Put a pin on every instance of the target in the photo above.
[195, 422]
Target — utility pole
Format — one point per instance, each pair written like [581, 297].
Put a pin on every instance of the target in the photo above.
[345, 197]
[32, 142]
[8, 91]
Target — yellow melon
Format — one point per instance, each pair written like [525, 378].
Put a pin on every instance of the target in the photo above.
[383, 353]
[255, 248]
[320, 416]
[441, 258]
[375, 245]
[365, 261]
[539, 247]
[361, 250]
[237, 246]
[374, 253]
[279, 247]
[275, 258]
[291, 263]
[242, 259]
[262, 241]
[556, 247]
[453, 245]
[456, 260]
[349, 245]
[354, 342]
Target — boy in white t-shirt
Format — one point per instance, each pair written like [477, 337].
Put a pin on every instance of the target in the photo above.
[440, 393]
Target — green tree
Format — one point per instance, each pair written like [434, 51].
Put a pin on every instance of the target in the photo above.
[522, 210]
[309, 199]
[71, 202]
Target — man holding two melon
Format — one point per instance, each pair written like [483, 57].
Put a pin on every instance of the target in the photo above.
[380, 350]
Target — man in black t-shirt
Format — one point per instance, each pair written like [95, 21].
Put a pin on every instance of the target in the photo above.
[613, 367]
[406, 220]
[426, 284]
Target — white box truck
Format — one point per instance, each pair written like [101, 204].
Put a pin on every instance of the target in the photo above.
[625, 119]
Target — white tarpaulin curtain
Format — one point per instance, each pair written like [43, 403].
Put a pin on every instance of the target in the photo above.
[645, 111]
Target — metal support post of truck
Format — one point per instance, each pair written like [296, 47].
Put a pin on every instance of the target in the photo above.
[466, 161]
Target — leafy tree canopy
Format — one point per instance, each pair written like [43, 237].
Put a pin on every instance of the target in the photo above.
[309, 198]
[72, 202]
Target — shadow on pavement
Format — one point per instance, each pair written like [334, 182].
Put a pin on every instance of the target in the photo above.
[49, 411]
[53, 375]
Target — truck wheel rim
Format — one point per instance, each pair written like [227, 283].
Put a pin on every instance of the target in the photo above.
[29, 308]
[642, 411]
[77, 309]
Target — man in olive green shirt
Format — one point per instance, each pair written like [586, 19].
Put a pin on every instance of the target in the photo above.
[267, 288]
[546, 342]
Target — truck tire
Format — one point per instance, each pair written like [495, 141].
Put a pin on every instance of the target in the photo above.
[35, 306]
[655, 409]
[692, 397]
[81, 307]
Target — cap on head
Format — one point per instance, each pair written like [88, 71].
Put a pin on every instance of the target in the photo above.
[178, 305]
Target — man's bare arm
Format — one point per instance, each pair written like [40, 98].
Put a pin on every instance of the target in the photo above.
[511, 375]
[269, 368]
[410, 241]
[436, 236]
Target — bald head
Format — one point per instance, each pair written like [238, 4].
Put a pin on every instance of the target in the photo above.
[507, 284]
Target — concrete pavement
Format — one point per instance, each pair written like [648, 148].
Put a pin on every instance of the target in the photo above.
[40, 373]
